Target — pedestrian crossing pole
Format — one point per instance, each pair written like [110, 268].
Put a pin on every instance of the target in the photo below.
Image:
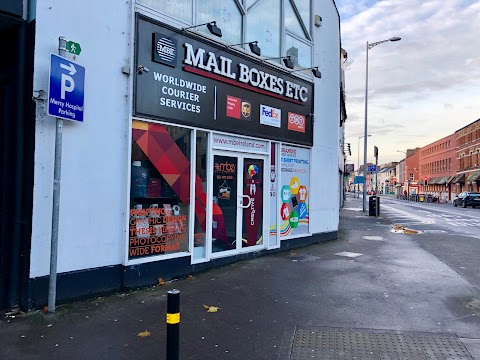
[173, 324]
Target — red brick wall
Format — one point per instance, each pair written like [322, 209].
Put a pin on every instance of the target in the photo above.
[468, 154]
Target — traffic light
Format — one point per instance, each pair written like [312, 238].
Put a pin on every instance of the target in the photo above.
[426, 181]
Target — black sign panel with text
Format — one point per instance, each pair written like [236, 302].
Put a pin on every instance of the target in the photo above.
[199, 83]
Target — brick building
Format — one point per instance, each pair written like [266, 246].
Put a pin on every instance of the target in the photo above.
[410, 173]
[438, 165]
[468, 158]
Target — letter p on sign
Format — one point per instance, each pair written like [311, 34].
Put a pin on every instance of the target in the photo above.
[67, 85]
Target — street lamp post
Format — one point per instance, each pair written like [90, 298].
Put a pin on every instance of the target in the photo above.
[358, 164]
[369, 46]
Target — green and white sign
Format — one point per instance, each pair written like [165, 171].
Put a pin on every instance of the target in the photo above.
[73, 47]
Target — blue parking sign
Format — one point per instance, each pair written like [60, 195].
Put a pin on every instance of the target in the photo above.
[66, 89]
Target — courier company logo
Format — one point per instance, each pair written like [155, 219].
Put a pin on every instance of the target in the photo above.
[270, 116]
[296, 122]
[164, 49]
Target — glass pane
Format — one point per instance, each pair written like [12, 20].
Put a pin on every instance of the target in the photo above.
[199, 227]
[303, 7]
[227, 16]
[300, 53]
[224, 223]
[294, 182]
[180, 9]
[263, 25]
[252, 227]
[249, 3]
[160, 190]
[291, 20]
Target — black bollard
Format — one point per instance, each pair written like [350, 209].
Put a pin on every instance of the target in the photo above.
[173, 324]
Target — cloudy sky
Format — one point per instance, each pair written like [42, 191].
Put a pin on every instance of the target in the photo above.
[421, 88]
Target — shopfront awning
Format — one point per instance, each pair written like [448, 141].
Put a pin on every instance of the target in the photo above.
[421, 182]
[450, 178]
[460, 178]
[433, 181]
[474, 177]
[441, 180]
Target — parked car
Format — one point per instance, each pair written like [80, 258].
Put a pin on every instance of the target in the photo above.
[371, 192]
[467, 198]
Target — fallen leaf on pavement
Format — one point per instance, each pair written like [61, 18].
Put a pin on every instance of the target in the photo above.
[211, 308]
[161, 281]
[144, 333]
[45, 309]
[190, 277]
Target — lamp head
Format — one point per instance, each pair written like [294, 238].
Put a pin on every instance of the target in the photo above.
[288, 63]
[214, 29]
[395, 38]
[254, 48]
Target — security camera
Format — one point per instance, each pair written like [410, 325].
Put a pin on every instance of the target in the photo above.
[141, 69]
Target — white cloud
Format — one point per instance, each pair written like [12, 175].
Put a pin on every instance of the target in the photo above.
[411, 81]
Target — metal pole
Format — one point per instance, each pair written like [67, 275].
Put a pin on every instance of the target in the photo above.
[358, 163]
[365, 134]
[173, 324]
[377, 202]
[52, 284]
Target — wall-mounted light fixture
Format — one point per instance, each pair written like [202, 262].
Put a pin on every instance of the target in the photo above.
[318, 20]
[211, 26]
[315, 71]
[254, 48]
[287, 61]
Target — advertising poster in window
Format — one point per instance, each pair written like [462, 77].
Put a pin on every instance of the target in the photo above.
[294, 187]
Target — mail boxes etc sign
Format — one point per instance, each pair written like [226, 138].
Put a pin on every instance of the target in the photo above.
[188, 80]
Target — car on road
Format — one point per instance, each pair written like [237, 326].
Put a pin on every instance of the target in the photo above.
[371, 192]
[467, 198]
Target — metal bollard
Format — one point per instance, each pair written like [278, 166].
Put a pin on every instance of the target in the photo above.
[173, 324]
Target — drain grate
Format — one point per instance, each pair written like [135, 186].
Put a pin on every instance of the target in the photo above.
[326, 344]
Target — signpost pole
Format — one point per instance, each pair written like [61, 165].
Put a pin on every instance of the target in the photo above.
[52, 285]
[377, 199]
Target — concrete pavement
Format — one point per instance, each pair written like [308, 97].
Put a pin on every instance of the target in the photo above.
[370, 281]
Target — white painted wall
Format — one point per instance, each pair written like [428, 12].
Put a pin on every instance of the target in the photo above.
[94, 165]
[325, 187]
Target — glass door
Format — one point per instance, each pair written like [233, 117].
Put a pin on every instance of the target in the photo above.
[238, 202]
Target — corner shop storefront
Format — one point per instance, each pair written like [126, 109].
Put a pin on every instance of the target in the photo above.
[220, 157]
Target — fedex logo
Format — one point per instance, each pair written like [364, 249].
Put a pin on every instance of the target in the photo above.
[270, 116]
[270, 113]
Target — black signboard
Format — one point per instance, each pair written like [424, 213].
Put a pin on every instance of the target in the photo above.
[189, 80]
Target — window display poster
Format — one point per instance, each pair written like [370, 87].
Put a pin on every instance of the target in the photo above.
[294, 187]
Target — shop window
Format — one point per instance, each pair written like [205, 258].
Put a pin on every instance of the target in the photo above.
[179, 9]
[226, 14]
[300, 52]
[303, 7]
[294, 188]
[160, 190]
[292, 23]
[264, 26]
[249, 3]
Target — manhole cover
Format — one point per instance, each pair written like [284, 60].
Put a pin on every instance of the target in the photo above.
[322, 343]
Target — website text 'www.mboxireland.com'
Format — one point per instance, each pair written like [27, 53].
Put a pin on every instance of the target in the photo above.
[240, 143]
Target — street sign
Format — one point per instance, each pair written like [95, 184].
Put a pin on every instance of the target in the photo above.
[372, 168]
[66, 89]
[73, 47]
[358, 180]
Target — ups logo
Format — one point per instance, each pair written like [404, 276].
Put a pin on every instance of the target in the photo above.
[246, 109]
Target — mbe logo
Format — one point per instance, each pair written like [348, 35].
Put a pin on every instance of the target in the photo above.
[164, 49]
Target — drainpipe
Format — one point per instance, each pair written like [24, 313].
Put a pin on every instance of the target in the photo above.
[18, 210]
